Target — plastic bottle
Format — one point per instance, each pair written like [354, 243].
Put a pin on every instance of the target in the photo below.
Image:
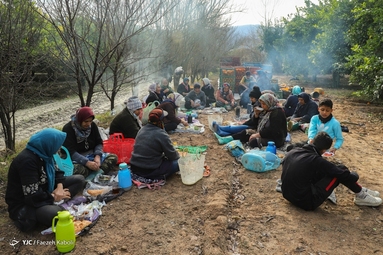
[124, 177]
[238, 112]
[271, 147]
[65, 235]
[190, 118]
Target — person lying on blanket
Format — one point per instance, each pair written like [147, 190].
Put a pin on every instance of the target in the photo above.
[154, 156]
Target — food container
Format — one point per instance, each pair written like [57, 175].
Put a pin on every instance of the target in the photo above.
[104, 179]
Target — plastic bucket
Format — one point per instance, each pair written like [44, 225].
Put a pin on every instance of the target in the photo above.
[217, 118]
[191, 167]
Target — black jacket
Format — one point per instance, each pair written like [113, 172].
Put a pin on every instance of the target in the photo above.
[124, 123]
[302, 168]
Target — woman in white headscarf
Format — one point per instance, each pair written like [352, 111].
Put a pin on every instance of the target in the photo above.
[155, 93]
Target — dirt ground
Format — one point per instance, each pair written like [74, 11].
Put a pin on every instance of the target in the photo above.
[236, 211]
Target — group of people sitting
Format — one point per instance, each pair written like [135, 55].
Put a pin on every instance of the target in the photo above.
[36, 186]
[307, 178]
[197, 97]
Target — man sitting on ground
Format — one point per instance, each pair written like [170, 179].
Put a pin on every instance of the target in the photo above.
[308, 179]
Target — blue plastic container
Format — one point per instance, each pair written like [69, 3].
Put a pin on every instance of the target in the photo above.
[271, 147]
[260, 161]
[124, 177]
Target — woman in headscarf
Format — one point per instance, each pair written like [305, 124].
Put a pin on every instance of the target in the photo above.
[34, 183]
[209, 91]
[270, 125]
[170, 105]
[250, 123]
[184, 87]
[292, 101]
[84, 144]
[225, 97]
[155, 93]
[154, 156]
[127, 121]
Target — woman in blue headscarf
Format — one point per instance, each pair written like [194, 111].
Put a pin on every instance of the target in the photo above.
[292, 101]
[34, 182]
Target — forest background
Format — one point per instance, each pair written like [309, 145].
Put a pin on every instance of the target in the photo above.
[84, 47]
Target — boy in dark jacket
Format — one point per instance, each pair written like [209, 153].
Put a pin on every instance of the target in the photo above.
[308, 179]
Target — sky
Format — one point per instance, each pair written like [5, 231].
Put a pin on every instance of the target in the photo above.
[255, 10]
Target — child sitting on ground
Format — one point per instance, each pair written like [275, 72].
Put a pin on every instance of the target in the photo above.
[326, 122]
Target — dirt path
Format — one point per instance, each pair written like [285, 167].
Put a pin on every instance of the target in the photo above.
[235, 211]
[57, 113]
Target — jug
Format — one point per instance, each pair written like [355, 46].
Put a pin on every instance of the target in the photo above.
[124, 177]
[65, 235]
[271, 147]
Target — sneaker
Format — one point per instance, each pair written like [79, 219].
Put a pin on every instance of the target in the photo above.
[368, 200]
[278, 188]
[372, 192]
[332, 197]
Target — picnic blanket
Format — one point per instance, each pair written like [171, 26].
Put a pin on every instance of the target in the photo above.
[195, 127]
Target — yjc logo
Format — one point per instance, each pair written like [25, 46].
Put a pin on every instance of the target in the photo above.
[13, 242]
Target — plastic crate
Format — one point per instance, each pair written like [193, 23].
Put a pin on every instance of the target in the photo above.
[122, 147]
[227, 75]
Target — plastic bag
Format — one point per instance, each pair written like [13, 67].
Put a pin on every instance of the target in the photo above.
[236, 148]
[192, 149]
[147, 110]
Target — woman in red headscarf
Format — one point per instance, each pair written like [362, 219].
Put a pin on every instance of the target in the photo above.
[84, 144]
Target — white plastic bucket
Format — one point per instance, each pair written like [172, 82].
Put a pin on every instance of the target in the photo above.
[191, 167]
[217, 118]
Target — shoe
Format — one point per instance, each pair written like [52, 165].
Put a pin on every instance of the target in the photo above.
[214, 126]
[372, 192]
[368, 200]
[332, 197]
[223, 140]
[278, 188]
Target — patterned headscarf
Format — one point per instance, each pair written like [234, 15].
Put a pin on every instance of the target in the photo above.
[81, 115]
[45, 144]
[272, 103]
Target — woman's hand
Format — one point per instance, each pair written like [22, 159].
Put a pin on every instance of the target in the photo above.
[254, 136]
[60, 193]
[92, 165]
[97, 159]
[185, 123]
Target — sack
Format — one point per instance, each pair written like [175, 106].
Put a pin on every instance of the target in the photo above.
[147, 110]
[236, 148]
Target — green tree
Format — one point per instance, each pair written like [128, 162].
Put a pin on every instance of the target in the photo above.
[330, 47]
[365, 35]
